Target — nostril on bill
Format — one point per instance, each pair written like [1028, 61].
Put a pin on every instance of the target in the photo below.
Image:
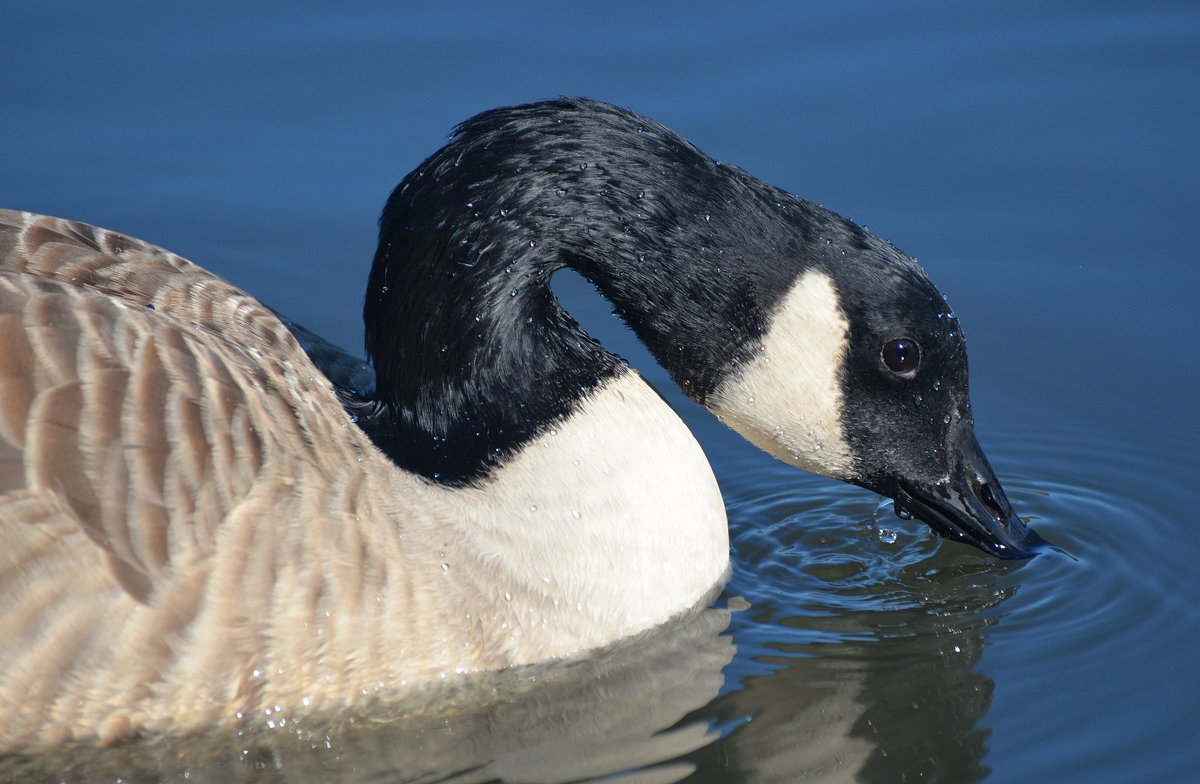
[983, 492]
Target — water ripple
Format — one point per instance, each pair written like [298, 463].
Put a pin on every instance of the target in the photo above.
[831, 574]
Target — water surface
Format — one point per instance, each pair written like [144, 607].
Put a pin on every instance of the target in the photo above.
[1039, 159]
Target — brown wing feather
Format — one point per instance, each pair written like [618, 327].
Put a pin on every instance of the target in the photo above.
[134, 437]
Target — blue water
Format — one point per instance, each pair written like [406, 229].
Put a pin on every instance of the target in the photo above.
[1040, 159]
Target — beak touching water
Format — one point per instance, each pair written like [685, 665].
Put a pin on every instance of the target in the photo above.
[968, 504]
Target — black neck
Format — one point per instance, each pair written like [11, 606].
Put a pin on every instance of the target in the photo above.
[473, 354]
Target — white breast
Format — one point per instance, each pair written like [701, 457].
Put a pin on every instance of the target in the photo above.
[605, 526]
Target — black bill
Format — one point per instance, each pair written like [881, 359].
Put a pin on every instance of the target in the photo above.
[968, 505]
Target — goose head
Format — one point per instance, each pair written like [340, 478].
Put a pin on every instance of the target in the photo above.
[814, 339]
[861, 375]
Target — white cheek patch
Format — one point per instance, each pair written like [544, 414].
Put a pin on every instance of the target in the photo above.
[787, 399]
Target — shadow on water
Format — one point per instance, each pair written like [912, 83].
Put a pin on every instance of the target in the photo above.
[857, 661]
[897, 710]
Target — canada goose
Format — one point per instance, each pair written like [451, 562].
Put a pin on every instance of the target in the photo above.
[199, 525]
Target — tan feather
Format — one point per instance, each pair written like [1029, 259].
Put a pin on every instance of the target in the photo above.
[193, 531]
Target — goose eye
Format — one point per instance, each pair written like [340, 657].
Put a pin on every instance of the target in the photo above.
[902, 356]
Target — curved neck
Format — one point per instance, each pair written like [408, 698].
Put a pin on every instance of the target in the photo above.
[474, 357]
[473, 354]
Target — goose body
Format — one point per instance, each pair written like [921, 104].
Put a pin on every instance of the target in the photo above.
[198, 523]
